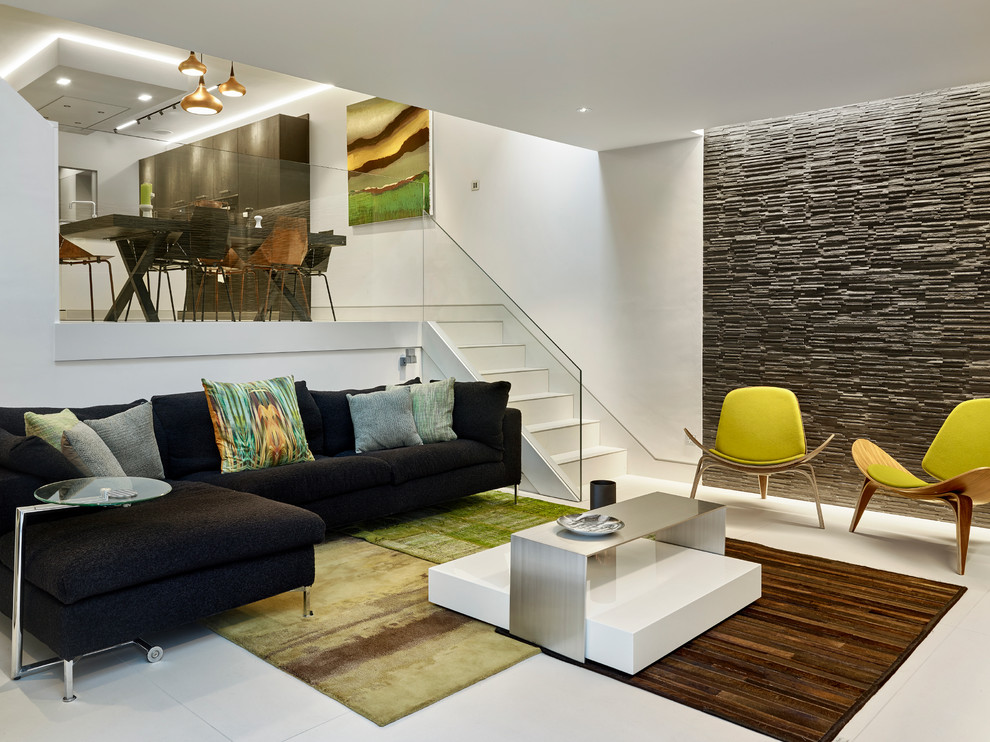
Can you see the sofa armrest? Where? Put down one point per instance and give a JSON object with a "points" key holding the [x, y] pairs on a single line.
{"points": [[16, 490], [512, 443]]}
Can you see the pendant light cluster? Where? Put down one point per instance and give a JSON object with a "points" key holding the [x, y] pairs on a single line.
{"points": [[201, 101]]}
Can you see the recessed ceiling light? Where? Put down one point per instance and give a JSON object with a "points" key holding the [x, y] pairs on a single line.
{"points": [[63, 81], [583, 109], [144, 97], [163, 132]]}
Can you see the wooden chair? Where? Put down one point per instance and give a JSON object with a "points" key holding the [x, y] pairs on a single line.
{"points": [[281, 254], [760, 432], [69, 253], [959, 458]]}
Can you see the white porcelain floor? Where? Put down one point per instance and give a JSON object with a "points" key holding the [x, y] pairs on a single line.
{"points": [[207, 689]]}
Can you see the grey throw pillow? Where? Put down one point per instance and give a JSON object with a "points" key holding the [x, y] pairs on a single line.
{"points": [[82, 446], [383, 420], [130, 436], [433, 410]]}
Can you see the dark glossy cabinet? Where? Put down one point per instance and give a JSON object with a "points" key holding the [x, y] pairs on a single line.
{"points": [[262, 164]]}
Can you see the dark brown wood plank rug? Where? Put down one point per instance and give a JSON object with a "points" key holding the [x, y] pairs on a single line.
{"points": [[803, 659]]}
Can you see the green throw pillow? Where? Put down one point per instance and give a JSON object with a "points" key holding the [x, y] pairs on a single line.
{"points": [[433, 410], [257, 423], [49, 427]]}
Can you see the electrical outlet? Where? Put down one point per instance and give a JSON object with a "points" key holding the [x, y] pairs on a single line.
{"points": [[475, 185]]}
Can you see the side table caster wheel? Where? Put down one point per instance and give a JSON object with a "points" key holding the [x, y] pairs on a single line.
{"points": [[155, 654]]}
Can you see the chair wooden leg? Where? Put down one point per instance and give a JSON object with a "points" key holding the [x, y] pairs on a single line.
{"points": [[809, 471], [865, 495], [963, 508], [697, 476], [302, 285], [764, 484]]}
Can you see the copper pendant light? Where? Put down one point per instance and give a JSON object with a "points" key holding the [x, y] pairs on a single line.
{"points": [[232, 88], [192, 66], [201, 102]]}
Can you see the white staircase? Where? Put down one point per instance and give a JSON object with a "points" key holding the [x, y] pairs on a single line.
{"points": [[548, 415]]}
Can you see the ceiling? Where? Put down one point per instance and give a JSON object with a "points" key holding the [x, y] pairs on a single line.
{"points": [[109, 81], [649, 70]]}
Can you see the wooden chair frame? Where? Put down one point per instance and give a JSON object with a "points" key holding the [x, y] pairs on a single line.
{"points": [[960, 493], [710, 458]]}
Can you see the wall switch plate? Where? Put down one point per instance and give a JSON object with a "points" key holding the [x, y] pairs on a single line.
{"points": [[475, 185]]}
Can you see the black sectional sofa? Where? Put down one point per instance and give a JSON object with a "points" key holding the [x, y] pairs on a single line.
{"points": [[94, 578]]}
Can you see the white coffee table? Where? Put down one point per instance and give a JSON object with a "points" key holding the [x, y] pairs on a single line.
{"points": [[618, 599]]}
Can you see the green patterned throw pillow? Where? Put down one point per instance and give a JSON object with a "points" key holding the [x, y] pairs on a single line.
{"points": [[257, 423], [49, 427], [433, 410]]}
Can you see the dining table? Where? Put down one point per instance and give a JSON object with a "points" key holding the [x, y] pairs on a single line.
{"points": [[140, 240]]}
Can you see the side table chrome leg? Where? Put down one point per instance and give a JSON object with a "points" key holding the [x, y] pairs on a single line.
{"points": [[67, 666], [16, 630], [307, 612]]}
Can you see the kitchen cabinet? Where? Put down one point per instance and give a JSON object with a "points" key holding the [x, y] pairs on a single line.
{"points": [[262, 164]]}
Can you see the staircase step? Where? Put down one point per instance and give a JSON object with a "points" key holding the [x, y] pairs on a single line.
{"points": [[560, 436], [600, 462], [465, 333], [495, 355], [542, 407], [523, 380]]}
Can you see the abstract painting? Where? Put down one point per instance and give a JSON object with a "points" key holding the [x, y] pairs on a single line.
{"points": [[388, 161]]}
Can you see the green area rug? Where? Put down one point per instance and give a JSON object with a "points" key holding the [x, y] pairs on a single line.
{"points": [[376, 643], [455, 529]]}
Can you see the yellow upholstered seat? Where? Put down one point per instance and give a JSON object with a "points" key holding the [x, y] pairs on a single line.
{"points": [[760, 432], [959, 458]]}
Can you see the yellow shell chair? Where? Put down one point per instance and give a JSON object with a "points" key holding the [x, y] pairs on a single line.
{"points": [[959, 457], [760, 432]]}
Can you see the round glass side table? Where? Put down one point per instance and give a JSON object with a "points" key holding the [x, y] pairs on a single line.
{"points": [[102, 491], [86, 491]]}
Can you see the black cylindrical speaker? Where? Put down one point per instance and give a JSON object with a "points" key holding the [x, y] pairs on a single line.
{"points": [[602, 493]]}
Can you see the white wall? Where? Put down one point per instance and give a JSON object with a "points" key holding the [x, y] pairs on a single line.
{"points": [[603, 250], [115, 159]]}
